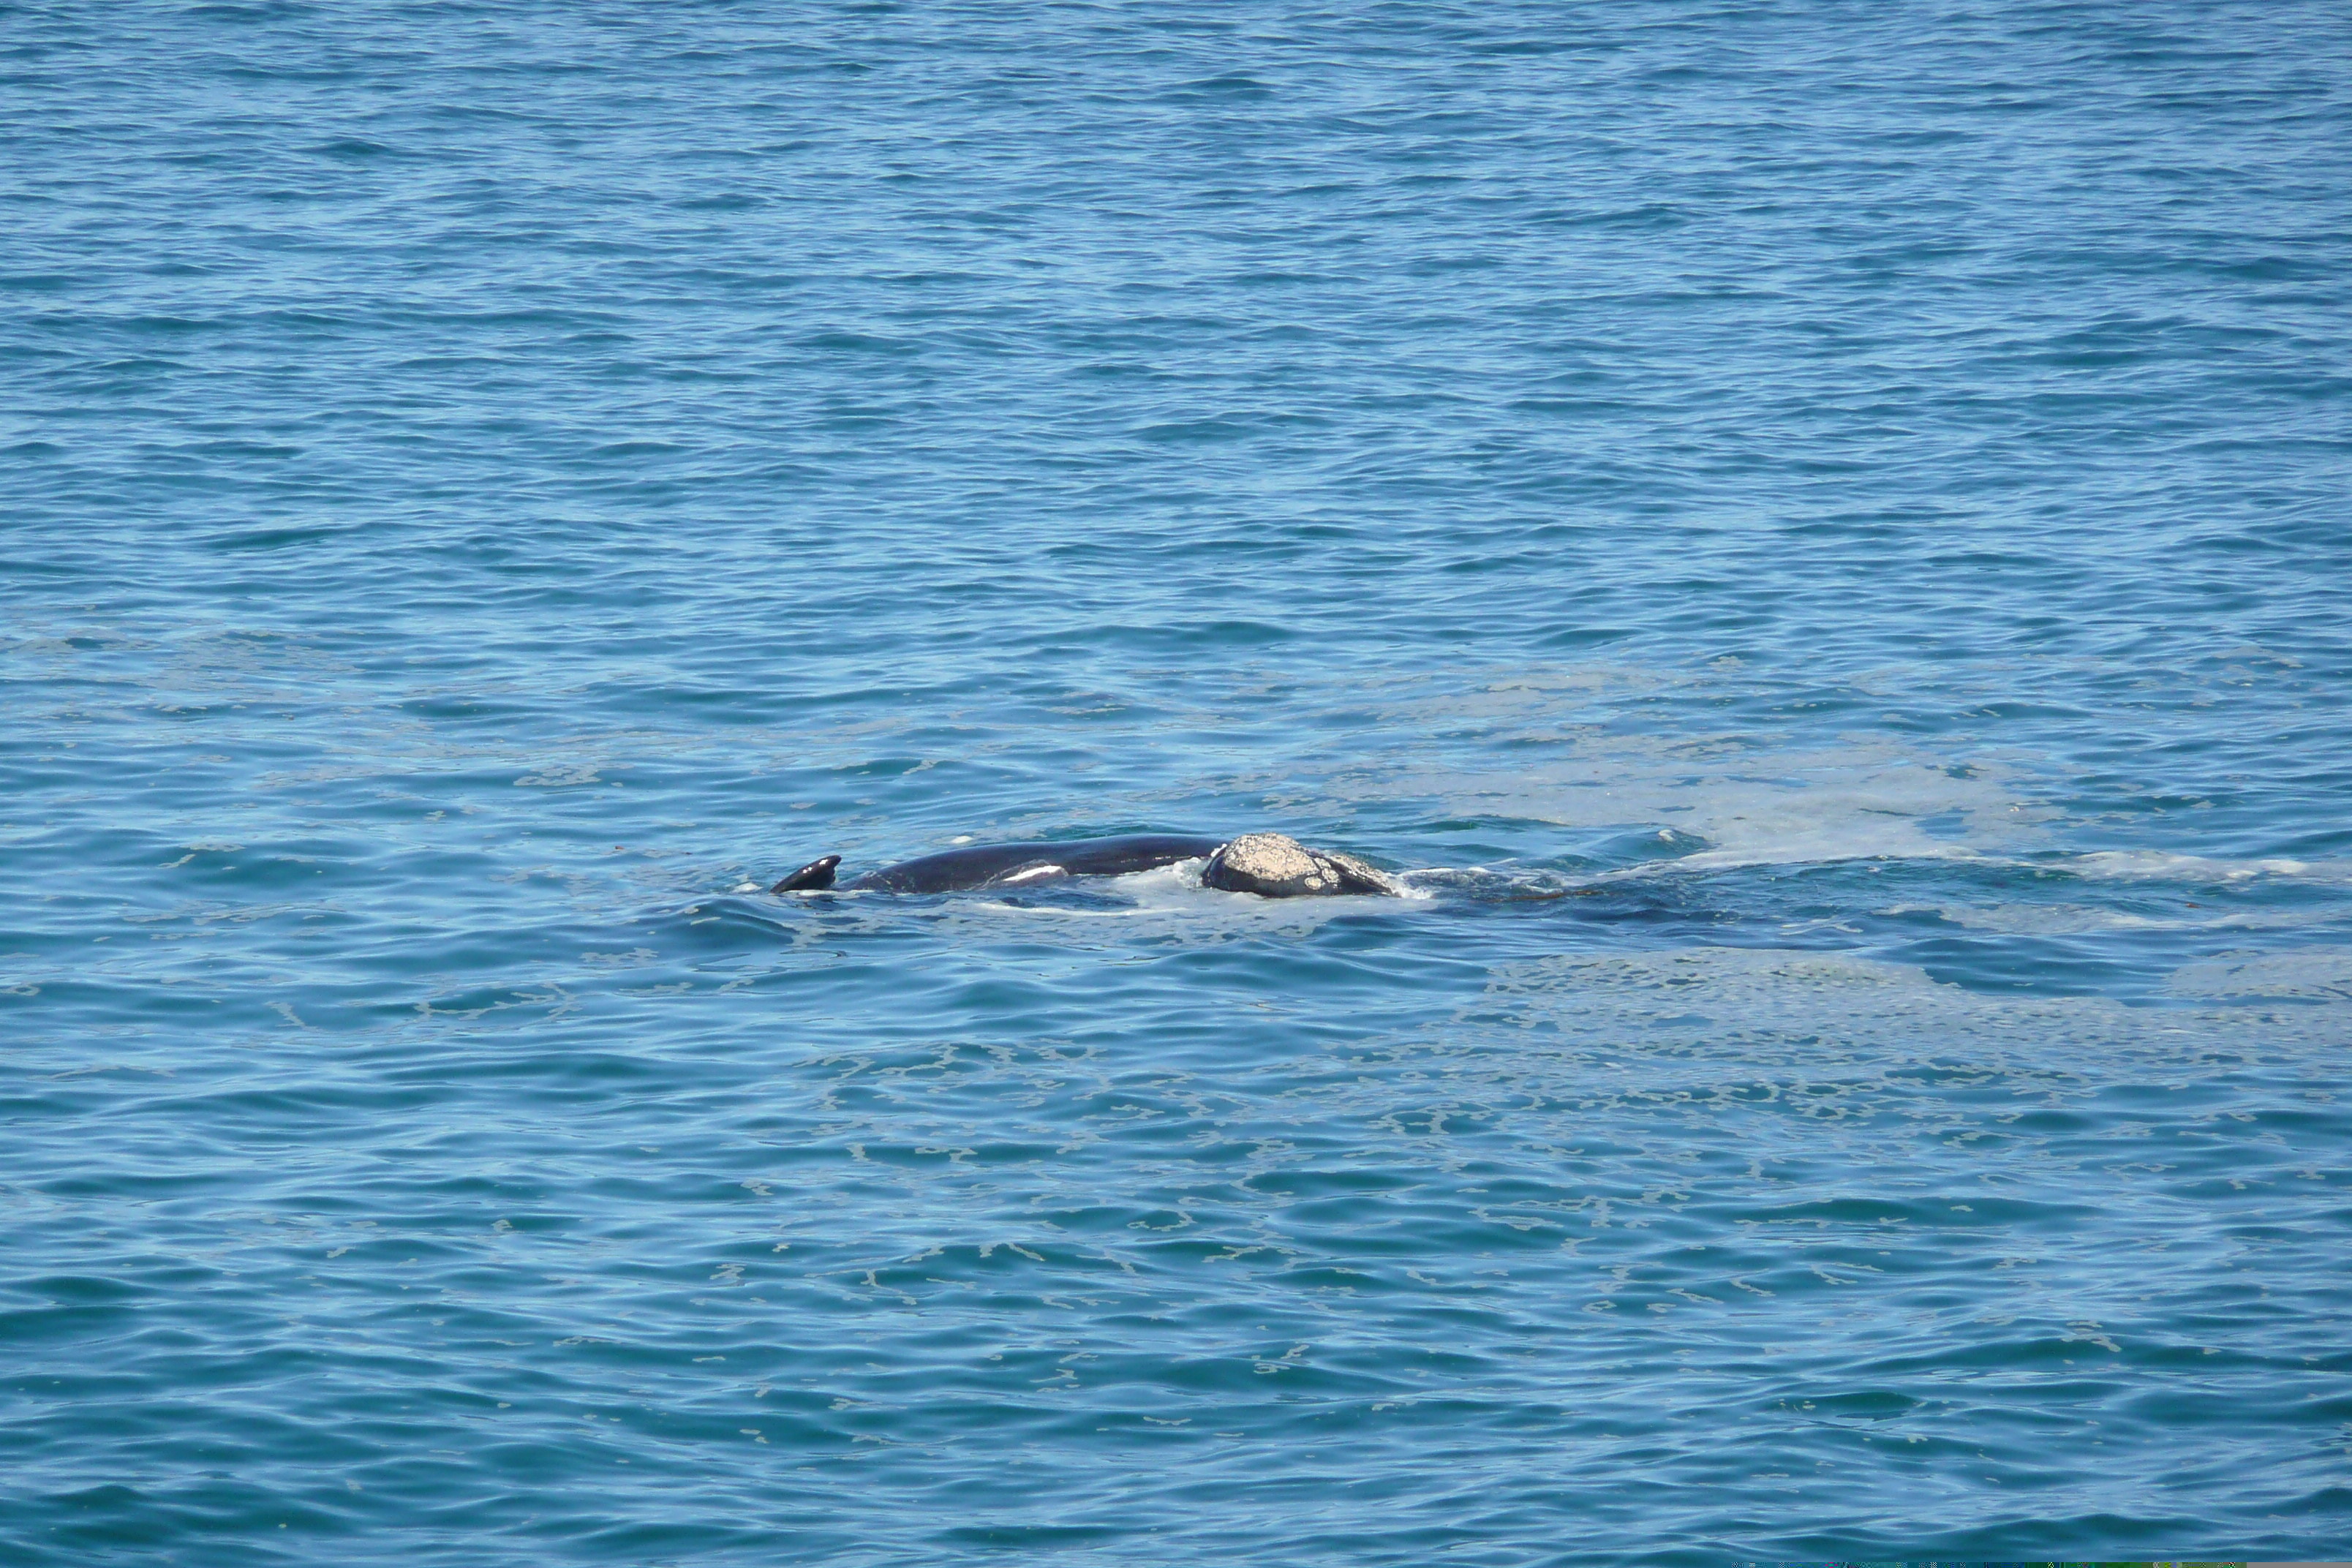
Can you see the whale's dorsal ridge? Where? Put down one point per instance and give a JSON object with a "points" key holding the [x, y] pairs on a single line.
{"points": [[1004, 865]]}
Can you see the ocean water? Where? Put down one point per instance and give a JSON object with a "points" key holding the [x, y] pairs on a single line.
{"points": [[1814, 535]]}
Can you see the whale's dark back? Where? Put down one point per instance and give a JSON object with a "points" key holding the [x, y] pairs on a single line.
{"points": [[983, 864]]}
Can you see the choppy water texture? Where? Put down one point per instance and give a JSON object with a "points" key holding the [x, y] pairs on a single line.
{"points": [[1820, 532]]}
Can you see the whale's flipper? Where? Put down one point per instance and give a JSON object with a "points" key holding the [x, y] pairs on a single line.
{"points": [[814, 877]]}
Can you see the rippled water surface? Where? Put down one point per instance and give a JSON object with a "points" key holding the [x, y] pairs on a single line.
{"points": [[1815, 535]]}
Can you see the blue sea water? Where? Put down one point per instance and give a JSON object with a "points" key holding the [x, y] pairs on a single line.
{"points": [[1816, 534]]}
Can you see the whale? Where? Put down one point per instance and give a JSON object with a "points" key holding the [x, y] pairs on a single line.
{"points": [[1010, 865], [1270, 865]]}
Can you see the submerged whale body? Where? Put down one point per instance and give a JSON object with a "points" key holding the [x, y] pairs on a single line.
{"points": [[1265, 863]]}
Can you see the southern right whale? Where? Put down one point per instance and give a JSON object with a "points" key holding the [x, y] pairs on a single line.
{"points": [[1265, 863]]}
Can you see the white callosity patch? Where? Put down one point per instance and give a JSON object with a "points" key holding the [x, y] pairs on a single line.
{"points": [[1277, 866], [1272, 859]]}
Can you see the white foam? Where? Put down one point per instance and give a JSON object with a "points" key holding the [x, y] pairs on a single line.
{"points": [[1836, 802], [1801, 852], [2151, 865], [2160, 863]]}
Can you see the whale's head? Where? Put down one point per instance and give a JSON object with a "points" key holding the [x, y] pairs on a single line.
{"points": [[1275, 867]]}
